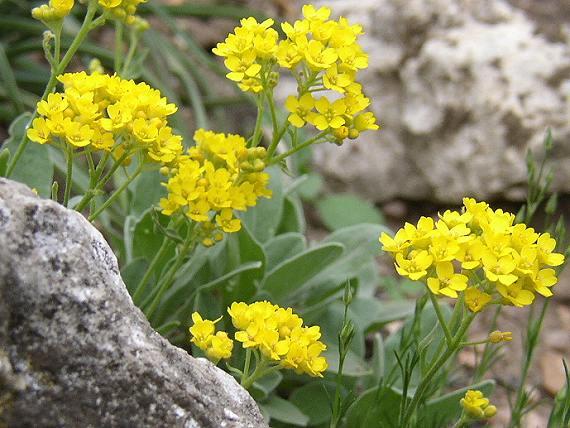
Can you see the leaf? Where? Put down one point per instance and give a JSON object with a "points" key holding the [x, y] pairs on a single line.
{"points": [[314, 400], [133, 272], [285, 411], [377, 407], [146, 241], [35, 167], [263, 219], [293, 219], [372, 314], [338, 211], [249, 250], [261, 388], [361, 246], [292, 274], [146, 192], [310, 188], [283, 247], [445, 409]]}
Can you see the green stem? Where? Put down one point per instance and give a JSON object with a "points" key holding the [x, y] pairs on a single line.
{"points": [[441, 320], [533, 331], [294, 150], [117, 192], [256, 138], [482, 366], [118, 45], [68, 174], [260, 370], [133, 43], [187, 247], [436, 366], [140, 286], [246, 364], [83, 31], [94, 189]]}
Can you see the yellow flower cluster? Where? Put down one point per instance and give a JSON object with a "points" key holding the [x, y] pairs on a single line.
{"points": [[476, 406], [217, 176], [478, 251], [321, 53], [103, 112], [53, 11], [277, 333], [124, 10], [280, 336], [216, 345]]}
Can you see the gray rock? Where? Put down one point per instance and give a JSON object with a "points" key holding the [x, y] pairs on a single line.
{"points": [[75, 351], [462, 90]]}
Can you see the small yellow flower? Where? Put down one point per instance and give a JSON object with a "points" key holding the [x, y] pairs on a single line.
{"points": [[447, 281], [220, 347], [476, 406], [476, 299], [301, 109], [415, 267], [330, 115], [202, 331]]}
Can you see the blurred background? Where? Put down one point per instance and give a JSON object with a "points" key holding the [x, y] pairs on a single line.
{"points": [[463, 90]]}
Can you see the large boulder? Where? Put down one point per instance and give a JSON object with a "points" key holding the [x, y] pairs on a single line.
{"points": [[75, 351], [462, 90]]}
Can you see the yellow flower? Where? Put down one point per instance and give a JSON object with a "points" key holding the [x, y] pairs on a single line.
{"points": [[301, 109], [318, 56], [77, 135], [476, 299], [227, 221], [476, 405], [220, 347], [109, 4], [288, 54], [315, 15], [394, 245], [447, 282], [39, 132], [242, 66], [499, 269], [416, 266], [61, 7], [516, 294], [202, 331], [330, 115], [546, 246]]}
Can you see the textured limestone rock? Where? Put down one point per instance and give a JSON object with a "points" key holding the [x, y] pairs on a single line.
{"points": [[462, 89], [74, 351]]}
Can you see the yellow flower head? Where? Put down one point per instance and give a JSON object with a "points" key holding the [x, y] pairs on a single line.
{"points": [[476, 406], [500, 336]]}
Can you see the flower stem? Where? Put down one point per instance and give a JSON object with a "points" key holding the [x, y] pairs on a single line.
{"points": [[117, 192], [56, 71], [68, 174], [299, 147], [187, 247], [441, 319], [140, 286], [436, 366]]}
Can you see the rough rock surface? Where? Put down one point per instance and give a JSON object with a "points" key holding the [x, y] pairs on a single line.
{"points": [[74, 351], [462, 89]]}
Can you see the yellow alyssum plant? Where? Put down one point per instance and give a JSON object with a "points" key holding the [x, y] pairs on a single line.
{"points": [[276, 336], [479, 253]]}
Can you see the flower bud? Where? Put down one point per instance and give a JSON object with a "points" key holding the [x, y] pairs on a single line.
{"points": [[500, 336], [490, 411], [353, 134]]}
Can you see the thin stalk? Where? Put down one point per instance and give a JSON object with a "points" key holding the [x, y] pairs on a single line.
{"points": [[187, 247], [299, 147], [479, 371], [140, 286], [133, 44], [532, 336], [441, 320], [68, 174], [117, 192], [256, 137], [436, 366], [118, 45], [83, 31]]}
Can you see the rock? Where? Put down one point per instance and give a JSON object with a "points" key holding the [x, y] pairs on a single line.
{"points": [[462, 90], [553, 377], [75, 351]]}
